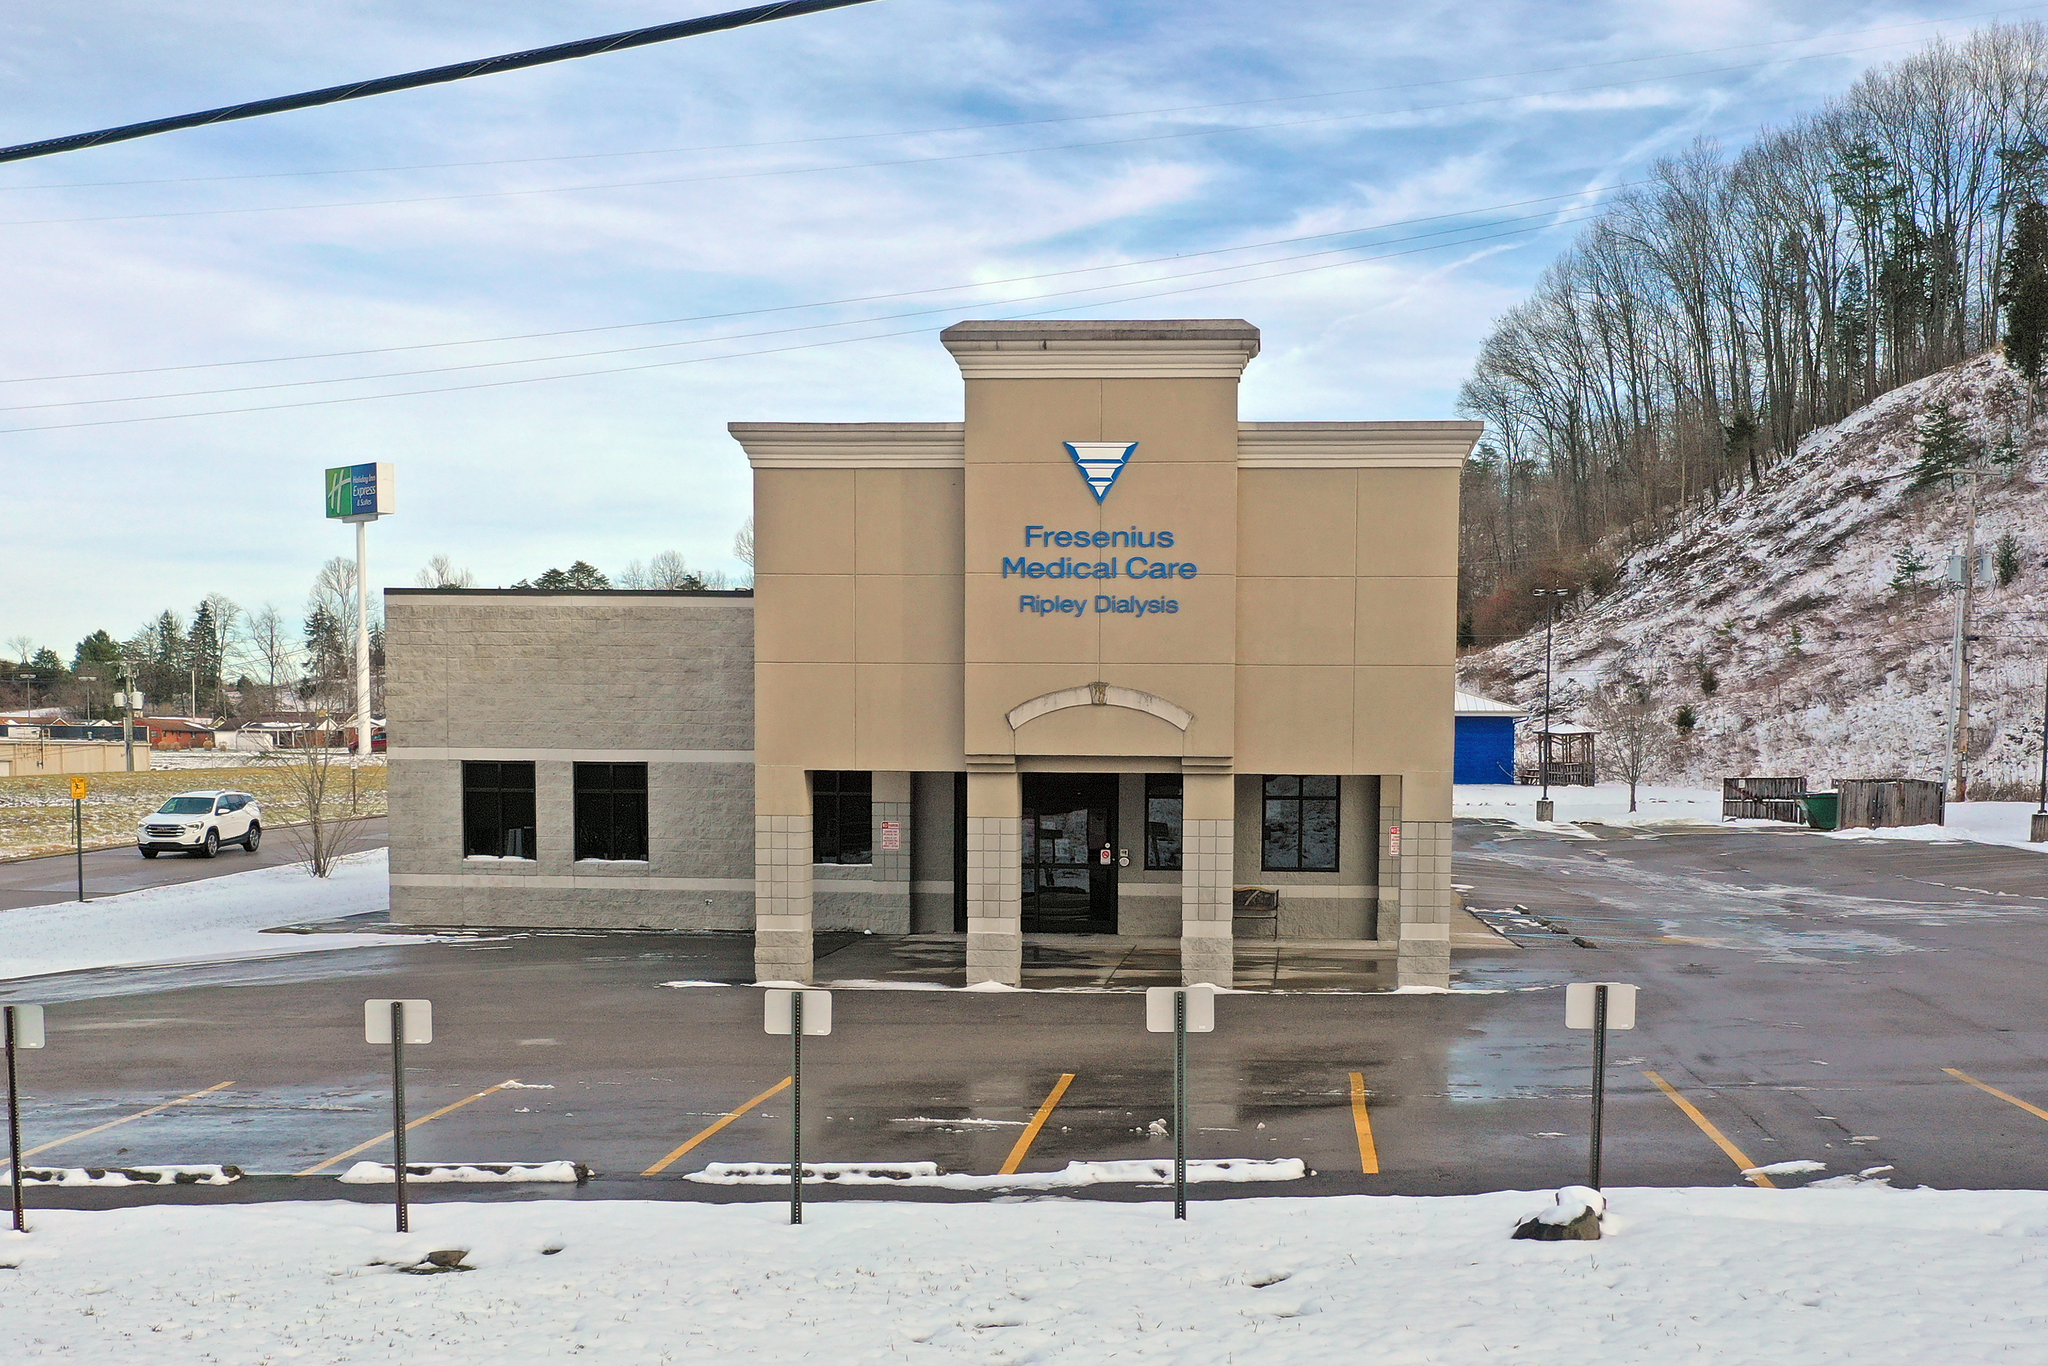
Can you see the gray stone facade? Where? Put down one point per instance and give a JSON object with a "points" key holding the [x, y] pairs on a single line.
{"points": [[664, 679]]}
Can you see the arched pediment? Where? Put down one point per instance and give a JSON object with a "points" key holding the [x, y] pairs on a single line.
{"points": [[1099, 695]]}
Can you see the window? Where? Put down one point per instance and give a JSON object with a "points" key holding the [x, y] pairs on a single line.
{"points": [[611, 811], [842, 806], [497, 810], [1162, 822], [1300, 825]]}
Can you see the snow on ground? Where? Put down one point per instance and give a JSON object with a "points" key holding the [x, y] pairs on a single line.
{"points": [[2007, 823], [200, 922], [1864, 1274], [1606, 804], [1141, 1171]]}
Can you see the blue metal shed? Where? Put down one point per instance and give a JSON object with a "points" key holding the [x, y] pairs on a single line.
{"points": [[1485, 751]]}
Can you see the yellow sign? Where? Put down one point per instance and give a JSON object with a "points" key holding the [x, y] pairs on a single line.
{"points": [[78, 789]]}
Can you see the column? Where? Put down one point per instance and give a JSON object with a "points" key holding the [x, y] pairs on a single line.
{"points": [[782, 875], [1424, 871], [1208, 859], [995, 877]]}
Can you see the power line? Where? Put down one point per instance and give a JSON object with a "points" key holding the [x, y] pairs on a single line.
{"points": [[1177, 135], [772, 332], [1024, 123], [764, 351], [828, 303], [439, 75]]}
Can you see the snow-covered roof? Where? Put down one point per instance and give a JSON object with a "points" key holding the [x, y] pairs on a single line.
{"points": [[1569, 728], [1472, 704]]}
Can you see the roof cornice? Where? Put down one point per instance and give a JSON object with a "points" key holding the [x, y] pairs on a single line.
{"points": [[852, 445], [1355, 445]]}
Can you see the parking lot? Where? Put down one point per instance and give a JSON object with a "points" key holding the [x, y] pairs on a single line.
{"points": [[1856, 1004]]}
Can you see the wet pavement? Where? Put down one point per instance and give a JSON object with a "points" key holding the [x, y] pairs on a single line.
{"points": [[1803, 995]]}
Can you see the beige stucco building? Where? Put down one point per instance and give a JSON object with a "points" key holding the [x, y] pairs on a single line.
{"points": [[1099, 658]]}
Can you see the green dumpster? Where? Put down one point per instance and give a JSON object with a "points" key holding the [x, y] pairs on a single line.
{"points": [[1823, 810]]}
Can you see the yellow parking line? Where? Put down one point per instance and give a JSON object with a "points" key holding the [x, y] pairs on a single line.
{"points": [[714, 1127], [2006, 1096], [1692, 1112], [1368, 1151], [410, 1125], [125, 1119], [1030, 1134]]}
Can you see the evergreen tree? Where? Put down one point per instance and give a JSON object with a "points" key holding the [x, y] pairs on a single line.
{"points": [[2023, 292], [47, 666], [1944, 448], [2006, 559], [326, 652], [580, 575], [1907, 567], [203, 650], [96, 654]]}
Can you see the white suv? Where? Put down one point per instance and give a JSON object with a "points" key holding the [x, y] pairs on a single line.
{"points": [[200, 823]]}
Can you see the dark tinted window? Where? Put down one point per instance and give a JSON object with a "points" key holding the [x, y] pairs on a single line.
{"points": [[1162, 822], [497, 810], [1300, 825], [611, 811], [842, 810]]}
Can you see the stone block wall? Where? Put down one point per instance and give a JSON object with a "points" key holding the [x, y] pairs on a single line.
{"points": [[664, 679]]}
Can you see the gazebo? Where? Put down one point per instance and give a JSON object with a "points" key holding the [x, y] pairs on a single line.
{"points": [[1567, 750]]}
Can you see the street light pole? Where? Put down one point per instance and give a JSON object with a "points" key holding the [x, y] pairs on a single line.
{"points": [[88, 680]]}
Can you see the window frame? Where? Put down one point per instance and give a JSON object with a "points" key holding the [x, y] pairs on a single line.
{"points": [[496, 789], [843, 817], [1156, 785], [1297, 803], [606, 807]]}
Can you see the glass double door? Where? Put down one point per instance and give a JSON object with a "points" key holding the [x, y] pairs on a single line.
{"points": [[1070, 853]]}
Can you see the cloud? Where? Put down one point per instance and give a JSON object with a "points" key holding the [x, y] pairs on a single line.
{"points": [[508, 480]]}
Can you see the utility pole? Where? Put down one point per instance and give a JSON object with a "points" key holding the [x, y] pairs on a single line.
{"points": [[1959, 672], [1544, 809], [128, 711]]}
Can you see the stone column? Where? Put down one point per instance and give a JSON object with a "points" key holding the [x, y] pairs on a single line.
{"points": [[1208, 857], [995, 877], [1425, 881], [782, 875]]}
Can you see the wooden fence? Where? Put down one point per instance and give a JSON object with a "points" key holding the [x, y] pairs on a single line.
{"points": [[1872, 803], [1763, 799]]}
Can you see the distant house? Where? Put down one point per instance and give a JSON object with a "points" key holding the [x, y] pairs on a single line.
{"points": [[1485, 747], [175, 732]]}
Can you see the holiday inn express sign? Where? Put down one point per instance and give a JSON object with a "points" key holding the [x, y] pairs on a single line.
{"points": [[360, 493]]}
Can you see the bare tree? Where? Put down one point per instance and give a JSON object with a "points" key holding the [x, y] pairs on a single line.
{"points": [[21, 647], [322, 784], [441, 573], [743, 543], [1632, 733]]}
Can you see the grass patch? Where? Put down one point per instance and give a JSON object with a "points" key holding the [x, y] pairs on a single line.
{"points": [[35, 811]]}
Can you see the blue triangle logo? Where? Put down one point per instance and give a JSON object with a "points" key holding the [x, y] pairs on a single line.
{"points": [[1101, 462]]}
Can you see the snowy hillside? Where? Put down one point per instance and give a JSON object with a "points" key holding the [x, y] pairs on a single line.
{"points": [[1772, 617]]}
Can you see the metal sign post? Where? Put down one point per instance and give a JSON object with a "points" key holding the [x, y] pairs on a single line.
{"points": [[78, 790], [784, 1013], [398, 1023], [23, 1028], [1599, 1006], [1180, 1011]]}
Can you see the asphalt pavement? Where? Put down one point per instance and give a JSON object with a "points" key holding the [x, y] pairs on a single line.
{"points": [[1858, 1004], [45, 881]]}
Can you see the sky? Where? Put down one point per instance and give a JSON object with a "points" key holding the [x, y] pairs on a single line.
{"points": [[542, 295]]}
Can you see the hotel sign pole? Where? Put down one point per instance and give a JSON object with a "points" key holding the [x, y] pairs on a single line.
{"points": [[361, 494]]}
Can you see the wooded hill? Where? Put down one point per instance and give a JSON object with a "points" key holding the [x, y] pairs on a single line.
{"points": [[1800, 625], [1671, 361]]}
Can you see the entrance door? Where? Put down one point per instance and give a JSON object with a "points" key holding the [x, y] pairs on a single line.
{"points": [[1069, 853]]}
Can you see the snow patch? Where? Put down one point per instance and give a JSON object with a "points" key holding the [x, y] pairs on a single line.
{"points": [[1144, 1171]]}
